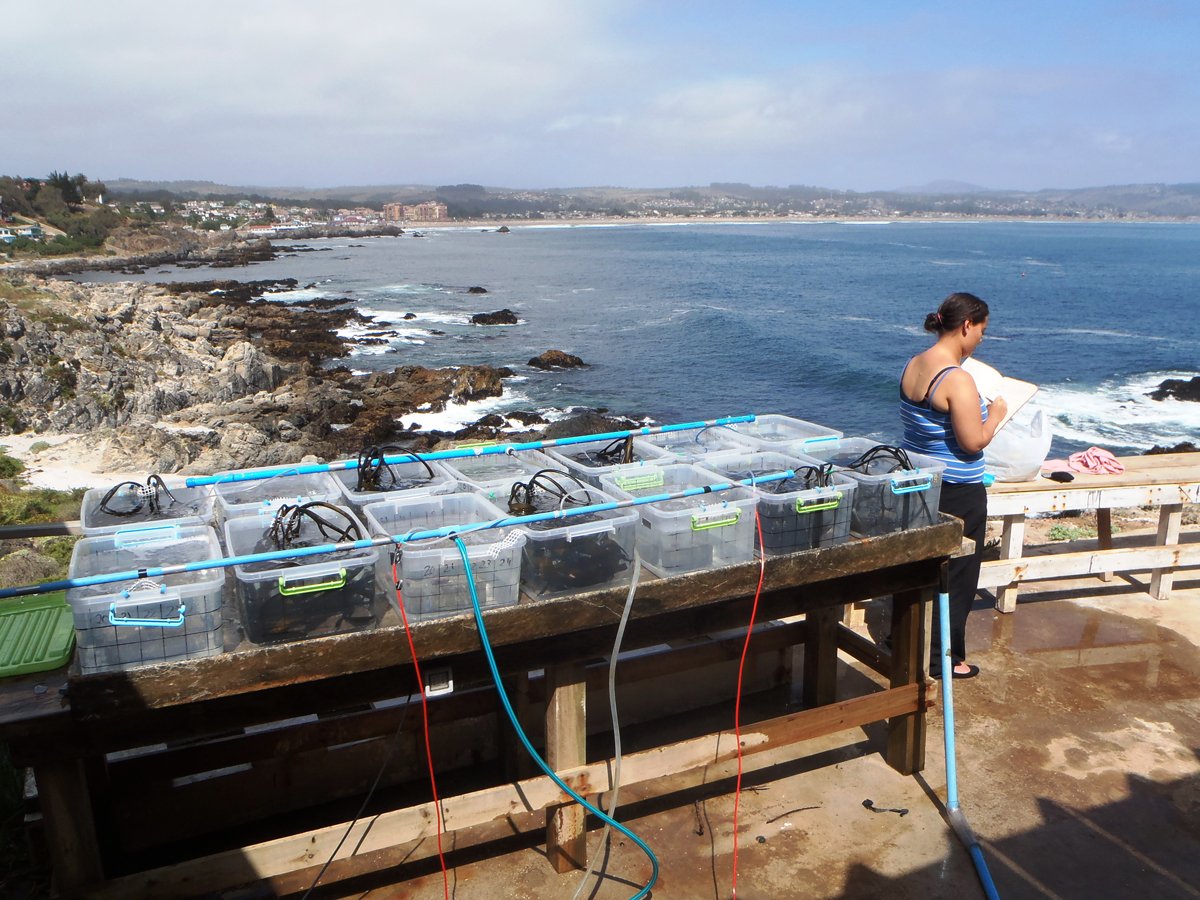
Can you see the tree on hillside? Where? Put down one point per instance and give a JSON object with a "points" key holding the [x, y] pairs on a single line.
{"points": [[67, 186], [51, 205]]}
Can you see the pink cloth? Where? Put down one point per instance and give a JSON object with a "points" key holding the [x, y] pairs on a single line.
{"points": [[1094, 460]]}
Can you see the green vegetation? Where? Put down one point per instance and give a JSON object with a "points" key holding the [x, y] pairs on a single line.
{"points": [[10, 467], [1071, 532], [62, 202], [30, 505]]}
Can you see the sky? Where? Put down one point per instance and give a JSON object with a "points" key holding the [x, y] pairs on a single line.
{"points": [[849, 94]]}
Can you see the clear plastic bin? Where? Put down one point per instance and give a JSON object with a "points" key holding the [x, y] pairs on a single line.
{"points": [[785, 434], [576, 553], [796, 513], [492, 468], [695, 444], [143, 621], [691, 533], [890, 497], [432, 579], [309, 596], [591, 459], [391, 481], [128, 506], [265, 495]]}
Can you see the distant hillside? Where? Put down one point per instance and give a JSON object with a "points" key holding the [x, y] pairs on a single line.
{"points": [[943, 186], [942, 197], [199, 190]]}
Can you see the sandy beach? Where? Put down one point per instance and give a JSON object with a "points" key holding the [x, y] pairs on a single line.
{"points": [[63, 465]]}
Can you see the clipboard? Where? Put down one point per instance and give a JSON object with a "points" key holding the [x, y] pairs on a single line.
{"points": [[991, 384]]}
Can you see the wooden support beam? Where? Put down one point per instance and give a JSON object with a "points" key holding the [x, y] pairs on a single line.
{"points": [[264, 861], [566, 748], [820, 657], [1104, 535], [69, 832], [1169, 519], [910, 653], [1012, 546], [864, 650], [1089, 562]]}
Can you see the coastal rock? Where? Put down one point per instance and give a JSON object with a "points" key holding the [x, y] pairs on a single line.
{"points": [[593, 421], [499, 317], [162, 381], [1184, 447], [1178, 389], [556, 359], [476, 289]]}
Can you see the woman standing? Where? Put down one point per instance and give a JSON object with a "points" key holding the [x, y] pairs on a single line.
{"points": [[944, 417]]}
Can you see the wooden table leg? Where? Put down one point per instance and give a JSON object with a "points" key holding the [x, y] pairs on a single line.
{"points": [[910, 648], [1170, 517], [1012, 546], [566, 737], [1104, 535], [70, 830], [820, 657]]}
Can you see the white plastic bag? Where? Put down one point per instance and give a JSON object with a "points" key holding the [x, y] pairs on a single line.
{"points": [[1018, 450]]}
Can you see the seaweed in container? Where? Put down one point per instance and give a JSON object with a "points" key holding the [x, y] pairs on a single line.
{"points": [[802, 524], [129, 503], [890, 504], [589, 555], [375, 473], [309, 596]]}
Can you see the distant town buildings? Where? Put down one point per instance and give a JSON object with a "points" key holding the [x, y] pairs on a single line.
{"points": [[429, 211]]}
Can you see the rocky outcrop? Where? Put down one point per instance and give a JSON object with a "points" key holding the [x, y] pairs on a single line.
{"points": [[499, 317], [476, 289], [1184, 447], [556, 359], [180, 380], [1178, 389]]}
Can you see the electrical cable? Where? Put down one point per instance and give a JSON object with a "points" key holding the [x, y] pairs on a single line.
{"points": [[737, 703], [367, 799], [412, 650], [372, 460], [616, 723], [541, 763], [140, 496]]}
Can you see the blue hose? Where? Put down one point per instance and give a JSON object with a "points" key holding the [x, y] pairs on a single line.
{"points": [[958, 820], [512, 717]]}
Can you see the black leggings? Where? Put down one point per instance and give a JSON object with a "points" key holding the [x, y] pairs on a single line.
{"points": [[969, 503]]}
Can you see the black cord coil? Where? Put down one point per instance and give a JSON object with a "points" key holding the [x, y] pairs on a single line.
{"points": [[140, 496], [373, 467]]}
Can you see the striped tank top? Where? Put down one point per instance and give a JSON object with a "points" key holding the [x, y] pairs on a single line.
{"points": [[928, 431]]}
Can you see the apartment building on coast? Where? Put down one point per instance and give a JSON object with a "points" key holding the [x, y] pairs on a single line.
{"points": [[428, 211]]}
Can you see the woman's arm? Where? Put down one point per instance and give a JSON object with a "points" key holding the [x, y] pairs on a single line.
{"points": [[962, 399]]}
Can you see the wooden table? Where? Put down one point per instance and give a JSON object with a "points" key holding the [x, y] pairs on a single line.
{"points": [[1165, 481], [208, 764]]}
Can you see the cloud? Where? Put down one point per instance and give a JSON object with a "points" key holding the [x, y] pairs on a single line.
{"points": [[542, 93]]}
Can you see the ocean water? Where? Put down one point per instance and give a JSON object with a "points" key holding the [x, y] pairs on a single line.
{"points": [[687, 322]]}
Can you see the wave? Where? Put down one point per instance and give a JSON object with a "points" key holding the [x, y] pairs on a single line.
{"points": [[297, 295], [457, 416], [1118, 413]]}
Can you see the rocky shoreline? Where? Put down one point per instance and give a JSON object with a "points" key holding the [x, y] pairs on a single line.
{"points": [[207, 376]]}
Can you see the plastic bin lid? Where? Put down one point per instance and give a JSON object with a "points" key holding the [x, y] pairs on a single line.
{"points": [[36, 634]]}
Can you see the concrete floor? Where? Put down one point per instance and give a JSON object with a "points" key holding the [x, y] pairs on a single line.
{"points": [[1078, 768]]}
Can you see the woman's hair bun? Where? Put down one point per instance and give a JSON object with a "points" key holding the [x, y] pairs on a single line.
{"points": [[933, 322]]}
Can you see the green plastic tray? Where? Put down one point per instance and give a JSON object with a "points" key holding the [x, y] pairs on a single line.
{"points": [[36, 634]]}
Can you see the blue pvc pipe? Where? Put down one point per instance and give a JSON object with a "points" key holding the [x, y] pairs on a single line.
{"points": [[367, 543], [957, 819], [459, 453]]}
